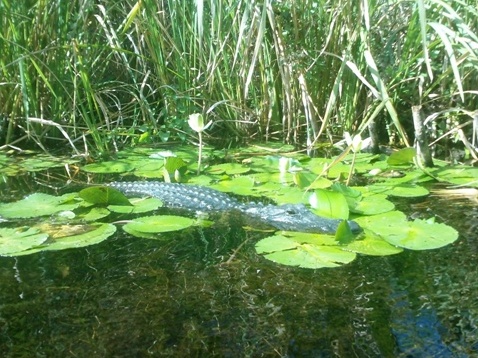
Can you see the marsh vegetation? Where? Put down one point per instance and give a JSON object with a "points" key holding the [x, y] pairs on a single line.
{"points": [[96, 76]]}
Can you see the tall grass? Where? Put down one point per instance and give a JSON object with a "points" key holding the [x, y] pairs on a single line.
{"points": [[97, 76]]}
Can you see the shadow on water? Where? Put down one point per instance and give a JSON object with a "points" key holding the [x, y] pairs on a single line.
{"points": [[182, 296]]}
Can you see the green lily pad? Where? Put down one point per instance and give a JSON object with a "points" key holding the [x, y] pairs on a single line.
{"points": [[320, 183], [19, 239], [266, 186], [95, 214], [174, 163], [344, 234], [352, 195], [109, 167], [91, 234], [287, 195], [424, 235], [140, 205], [104, 195], [386, 224], [330, 204], [373, 204], [402, 157], [142, 235], [228, 168], [242, 185], [275, 243], [406, 190], [310, 238], [373, 245], [149, 168], [159, 223], [42, 162], [278, 178], [394, 228], [38, 204], [288, 252], [459, 175]]}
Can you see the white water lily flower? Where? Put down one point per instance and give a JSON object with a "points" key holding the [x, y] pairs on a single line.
{"points": [[196, 122]]}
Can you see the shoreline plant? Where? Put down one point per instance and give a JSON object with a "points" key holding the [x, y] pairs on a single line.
{"points": [[98, 77]]}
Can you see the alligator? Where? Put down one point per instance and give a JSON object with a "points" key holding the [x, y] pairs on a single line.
{"points": [[288, 217]]}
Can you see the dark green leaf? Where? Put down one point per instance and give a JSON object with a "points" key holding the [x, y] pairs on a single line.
{"points": [[104, 195]]}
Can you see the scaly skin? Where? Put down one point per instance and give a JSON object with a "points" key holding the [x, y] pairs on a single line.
{"points": [[287, 217]]}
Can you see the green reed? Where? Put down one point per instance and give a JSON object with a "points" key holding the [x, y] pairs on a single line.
{"points": [[101, 76]]}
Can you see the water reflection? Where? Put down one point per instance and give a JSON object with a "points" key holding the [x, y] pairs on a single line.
{"points": [[178, 297]]}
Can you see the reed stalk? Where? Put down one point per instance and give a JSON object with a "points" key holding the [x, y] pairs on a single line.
{"points": [[302, 72]]}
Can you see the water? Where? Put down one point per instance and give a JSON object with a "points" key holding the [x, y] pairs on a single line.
{"points": [[187, 296]]}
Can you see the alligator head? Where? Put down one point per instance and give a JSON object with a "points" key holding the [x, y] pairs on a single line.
{"points": [[296, 217]]}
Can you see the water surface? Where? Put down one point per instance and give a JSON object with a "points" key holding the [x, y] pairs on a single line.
{"points": [[186, 296]]}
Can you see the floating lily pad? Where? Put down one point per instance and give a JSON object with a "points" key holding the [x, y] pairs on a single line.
{"points": [[104, 195], [424, 235], [109, 167], [460, 175], [159, 223], [278, 178], [266, 187], [42, 162], [289, 252], [142, 235], [330, 204], [385, 224], [228, 168], [260, 165], [373, 245], [95, 214], [201, 180], [406, 190], [140, 205], [303, 180], [242, 185], [373, 204], [174, 163], [320, 183], [352, 195], [344, 234], [287, 195], [149, 168], [402, 157], [19, 239], [414, 235], [85, 236], [38, 204], [310, 238]]}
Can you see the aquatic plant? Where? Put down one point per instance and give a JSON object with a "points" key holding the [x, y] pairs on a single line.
{"points": [[92, 214]]}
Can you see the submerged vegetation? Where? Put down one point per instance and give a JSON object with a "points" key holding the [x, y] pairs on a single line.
{"points": [[103, 78], [98, 76]]}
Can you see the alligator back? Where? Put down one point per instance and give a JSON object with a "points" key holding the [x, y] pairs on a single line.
{"points": [[174, 195], [198, 198]]}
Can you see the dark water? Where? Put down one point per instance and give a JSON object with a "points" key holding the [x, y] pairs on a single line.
{"points": [[180, 297]]}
